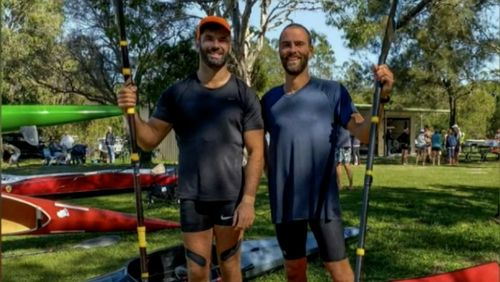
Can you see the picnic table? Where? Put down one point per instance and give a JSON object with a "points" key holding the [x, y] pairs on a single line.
{"points": [[481, 147]]}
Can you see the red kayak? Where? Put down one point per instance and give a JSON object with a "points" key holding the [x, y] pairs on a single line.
{"points": [[486, 272], [71, 183], [23, 215]]}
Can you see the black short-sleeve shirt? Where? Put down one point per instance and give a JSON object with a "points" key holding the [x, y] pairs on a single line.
{"points": [[209, 126]]}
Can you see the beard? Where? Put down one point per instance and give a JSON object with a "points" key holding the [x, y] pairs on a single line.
{"points": [[294, 68], [214, 63]]}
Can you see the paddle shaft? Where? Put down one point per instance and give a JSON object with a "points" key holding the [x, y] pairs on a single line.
{"points": [[134, 156], [498, 205], [360, 251]]}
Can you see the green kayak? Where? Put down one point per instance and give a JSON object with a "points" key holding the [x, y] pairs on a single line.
{"points": [[16, 116]]}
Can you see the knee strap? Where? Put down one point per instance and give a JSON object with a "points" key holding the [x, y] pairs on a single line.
{"points": [[225, 255], [199, 260]]}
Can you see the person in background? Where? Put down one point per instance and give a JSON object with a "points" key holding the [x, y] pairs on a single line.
{"points": [[451, 144], [460, 139], [428, 143], [15, 154], [421, 147], [215, 115], [47, 157], [355, 150], [109, 140], [302, 117], [436, 142], [389, 140], [67, 141], [404, 143], [66, 144], [343, 154], [56, 151]]}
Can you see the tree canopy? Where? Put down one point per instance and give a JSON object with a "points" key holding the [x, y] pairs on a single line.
{"points": [[67, 51], [442, 51]]}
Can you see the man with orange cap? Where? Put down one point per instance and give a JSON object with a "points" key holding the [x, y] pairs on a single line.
{"points": [[215, 115]]}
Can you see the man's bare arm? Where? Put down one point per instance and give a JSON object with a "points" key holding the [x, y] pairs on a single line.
{"points": [[245, 212], [148, 134], [255, 165], [359, 126]]}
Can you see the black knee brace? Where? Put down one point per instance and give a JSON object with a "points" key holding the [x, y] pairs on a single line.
{"points": [[199, 260], [225, 255]]}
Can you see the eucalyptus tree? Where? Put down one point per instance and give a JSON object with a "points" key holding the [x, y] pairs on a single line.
{"points": [[441, 46], [31, 32], [248, 39], [323, 59], [268, 71], [358, 79], [160, 48], [447, 54]]}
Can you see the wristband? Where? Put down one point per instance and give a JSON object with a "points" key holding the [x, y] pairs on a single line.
{"points": [[384, 100]]}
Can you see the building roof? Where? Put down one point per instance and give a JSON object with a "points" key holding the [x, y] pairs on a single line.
{"points": [[403, 109]]}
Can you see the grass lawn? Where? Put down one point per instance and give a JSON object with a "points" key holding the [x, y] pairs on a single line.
{"points": [[422, 220]]}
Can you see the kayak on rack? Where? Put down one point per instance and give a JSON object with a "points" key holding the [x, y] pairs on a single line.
{"points": [[22, 215], [79, 183], [16, 116]]}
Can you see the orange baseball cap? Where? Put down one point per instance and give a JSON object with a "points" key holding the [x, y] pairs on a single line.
{"points": [[212, 20]]}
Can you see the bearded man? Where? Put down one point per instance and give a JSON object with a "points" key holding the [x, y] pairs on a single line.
{"points": [[303, 117], [214, 115]]}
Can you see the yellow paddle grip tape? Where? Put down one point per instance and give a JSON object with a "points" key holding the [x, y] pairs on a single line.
{"points": [[123, 43], [126, 71], [360, 252], [374, 119], [134, 157], [369, 172], [141, 234], [131, 111], [144, 276]]}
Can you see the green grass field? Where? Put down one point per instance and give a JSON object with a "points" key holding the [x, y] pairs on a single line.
{"points": [[422, 220]]}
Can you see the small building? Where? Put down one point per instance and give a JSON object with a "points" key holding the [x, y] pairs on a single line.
{"points": [[397, 119], [394, 118]]}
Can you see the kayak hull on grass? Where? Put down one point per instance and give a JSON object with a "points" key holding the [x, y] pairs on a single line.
{"points": [[257, 258], [22, 215], [71, 183]]}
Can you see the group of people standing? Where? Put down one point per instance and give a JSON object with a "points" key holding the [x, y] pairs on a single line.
{"points": [[429, 145], [215, 116], [58, 152]]}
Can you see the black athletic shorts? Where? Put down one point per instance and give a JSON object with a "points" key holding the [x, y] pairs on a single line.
{"points": [[329, 235], [200, 216]]}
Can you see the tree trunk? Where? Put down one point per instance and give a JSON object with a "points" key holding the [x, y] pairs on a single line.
{"points": [[453, 109], [452, 100]]}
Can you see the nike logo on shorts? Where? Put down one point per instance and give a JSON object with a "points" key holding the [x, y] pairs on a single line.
{"points": [[225, 217]]}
